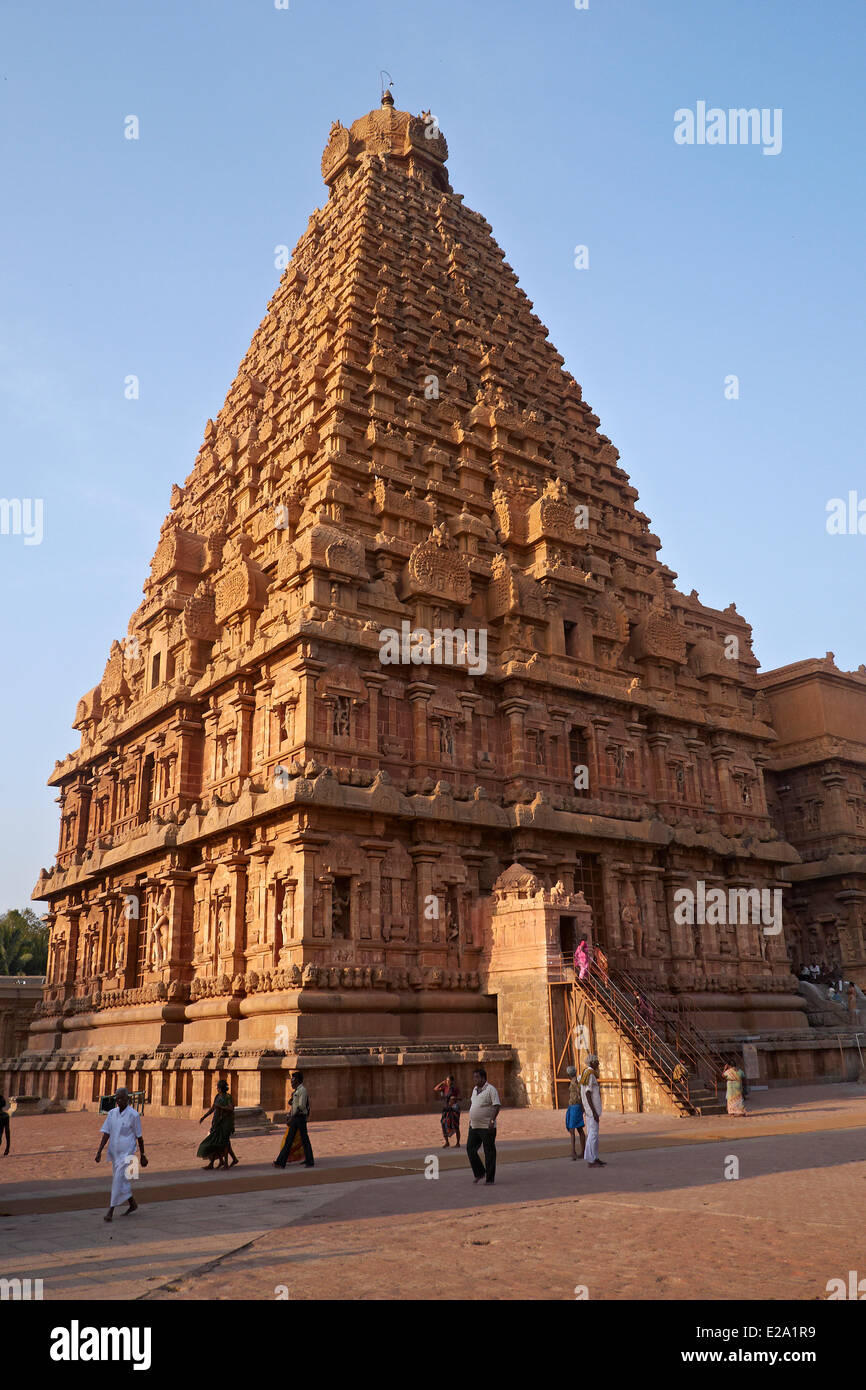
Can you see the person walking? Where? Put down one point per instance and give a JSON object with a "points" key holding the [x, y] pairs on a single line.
{"points": [[574, 1117], [121, 1132], [450, 1120], [5, 1126], [299, 1114], [735, 1078], [483, 1110], [218, 1143], [590, 1095]]}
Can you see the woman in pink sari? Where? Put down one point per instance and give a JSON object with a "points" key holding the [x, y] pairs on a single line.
{"points": [[582, 959]]}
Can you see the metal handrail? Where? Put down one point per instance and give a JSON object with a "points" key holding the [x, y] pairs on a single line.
{"points": [[688, 1039], [645, 1041]]}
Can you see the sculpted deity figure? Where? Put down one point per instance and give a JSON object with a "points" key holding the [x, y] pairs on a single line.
{"points": [[286, 916], [159, 930], [452, 919], [119, 938], [632, 927], [340, 914], [91, 953], [119, 949], [223, 923]]}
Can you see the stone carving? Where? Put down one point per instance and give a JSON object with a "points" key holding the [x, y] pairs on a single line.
{"points": [[159, 930]]}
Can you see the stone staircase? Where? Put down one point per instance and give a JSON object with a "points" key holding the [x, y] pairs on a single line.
{"points": [[681, 1060]]}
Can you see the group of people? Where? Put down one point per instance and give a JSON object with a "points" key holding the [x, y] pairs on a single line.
{"points": [[484, 1106], [586, 957], [583, 1115], [122, 1128], [838, 990], [216, 1147], [819, 974]]}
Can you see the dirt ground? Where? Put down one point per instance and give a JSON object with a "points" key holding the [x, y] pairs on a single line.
{"points": [[716, 1208]]}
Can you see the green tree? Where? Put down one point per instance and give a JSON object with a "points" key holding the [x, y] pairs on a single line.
{"points": [[23, 943]]}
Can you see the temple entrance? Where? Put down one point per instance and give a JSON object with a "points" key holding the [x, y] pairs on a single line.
{"points": [[567, 938]]}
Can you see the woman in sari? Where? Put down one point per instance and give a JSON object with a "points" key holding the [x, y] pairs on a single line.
{"points": [[735, 1077], [218, 1143], [450, 1120], [582, 959]]}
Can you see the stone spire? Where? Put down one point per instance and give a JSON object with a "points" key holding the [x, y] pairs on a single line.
{"points": [[291, 802]]}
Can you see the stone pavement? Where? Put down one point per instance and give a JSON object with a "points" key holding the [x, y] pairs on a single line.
{"points": [[662, 1220]]}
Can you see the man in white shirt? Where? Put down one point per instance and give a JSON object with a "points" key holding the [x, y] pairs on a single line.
{"points": [[483, 1109], [121, 1132], [590, 1094]]}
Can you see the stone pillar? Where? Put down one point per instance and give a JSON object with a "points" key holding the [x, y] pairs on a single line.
{"points": [[374, 681], [307, 672], [681, 932], [189, 734], [244, 705], [658, 744], [430, 930], [637, 732], [178, 950], [260, 853], [203, 947], [290, 921], [375, 851], [237, 866], [597, 753], [515, 709], [74, 917], [721, 755], [326, 882], [553, 615], [419, 693], [210, 721], [466, 760], [652, 928], [263, 691], [835, 814]]}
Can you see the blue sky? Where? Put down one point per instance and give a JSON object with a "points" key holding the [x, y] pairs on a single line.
{"points": [[155, 257]]}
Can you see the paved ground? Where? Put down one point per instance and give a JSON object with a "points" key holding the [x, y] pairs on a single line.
{"points": [[662, 1220]]}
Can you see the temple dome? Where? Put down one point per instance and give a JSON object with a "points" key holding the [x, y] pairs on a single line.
{"points": [[388, 133]]}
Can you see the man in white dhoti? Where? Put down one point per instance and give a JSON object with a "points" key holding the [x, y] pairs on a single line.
{"points": [[121, 1132], [590, 1094]]}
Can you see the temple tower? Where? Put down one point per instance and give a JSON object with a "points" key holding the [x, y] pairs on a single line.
{"points": [[405, 627]]}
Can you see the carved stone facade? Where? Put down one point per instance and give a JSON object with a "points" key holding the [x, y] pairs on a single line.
{"points": [[19, 997], [817, 781], [277, 845]]}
